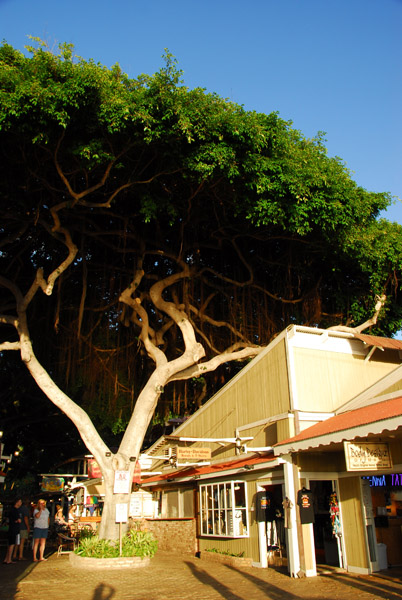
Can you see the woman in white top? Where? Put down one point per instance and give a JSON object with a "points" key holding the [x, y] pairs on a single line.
{"points": [[41, 526]]}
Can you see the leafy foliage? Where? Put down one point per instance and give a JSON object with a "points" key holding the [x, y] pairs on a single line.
{"points": [[147, 175], [134, 543]]}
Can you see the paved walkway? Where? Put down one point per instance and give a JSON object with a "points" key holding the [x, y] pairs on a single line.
{"points": [[184, 578]]}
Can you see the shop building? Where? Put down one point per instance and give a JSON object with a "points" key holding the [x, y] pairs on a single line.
{"points": [[261, 466]]}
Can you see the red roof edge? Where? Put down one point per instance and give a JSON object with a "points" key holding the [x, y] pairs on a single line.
{"points": [[213, 469]]}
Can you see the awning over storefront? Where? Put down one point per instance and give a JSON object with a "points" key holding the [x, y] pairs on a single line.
{"points": [[362, 422]]}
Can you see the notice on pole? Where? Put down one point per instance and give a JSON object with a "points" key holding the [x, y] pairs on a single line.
{"points": [[122, 482], [121, 513]]}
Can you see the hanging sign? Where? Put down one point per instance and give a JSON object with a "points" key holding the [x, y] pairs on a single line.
{"points": [[367, 456], [52, 484], [122, 482], [184, 453], [137, 473], [94, 471]]}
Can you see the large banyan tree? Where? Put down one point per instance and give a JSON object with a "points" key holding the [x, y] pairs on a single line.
{"points": [[151, 234]]}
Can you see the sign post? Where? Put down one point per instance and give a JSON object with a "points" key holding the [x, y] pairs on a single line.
{"points": [[121, 517]]}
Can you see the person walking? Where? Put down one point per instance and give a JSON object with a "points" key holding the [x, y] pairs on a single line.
{"points": [[14, 521], [41, 527], [25, 528]]}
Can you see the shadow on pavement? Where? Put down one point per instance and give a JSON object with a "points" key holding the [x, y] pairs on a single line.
{"points": [[11, 575], [103, 591], [273, 592], [373, 586], [207, 579]]}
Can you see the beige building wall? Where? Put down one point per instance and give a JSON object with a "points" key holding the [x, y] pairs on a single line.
{"points": [[259, 391], [327, 380]]}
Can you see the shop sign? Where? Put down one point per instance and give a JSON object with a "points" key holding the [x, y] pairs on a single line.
{"points": [[393, 480], [367, 456], [52, 484], [183, 453]]}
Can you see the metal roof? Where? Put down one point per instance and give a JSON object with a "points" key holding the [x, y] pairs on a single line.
{"points": [[368, 420]]}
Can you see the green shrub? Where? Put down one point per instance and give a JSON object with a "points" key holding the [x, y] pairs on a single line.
{"points": [[225, 552], [134, 543]]}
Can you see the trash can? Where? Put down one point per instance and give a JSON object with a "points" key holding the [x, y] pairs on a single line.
{"points": [[382, 556]]}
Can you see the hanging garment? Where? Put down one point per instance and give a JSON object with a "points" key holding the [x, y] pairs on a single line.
{"points": [[305, 504], [287, 505], [272, 535]]}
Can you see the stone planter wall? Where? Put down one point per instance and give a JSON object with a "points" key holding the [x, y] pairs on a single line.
{"points": [[174, 535], [233, 561], [122, 562]]}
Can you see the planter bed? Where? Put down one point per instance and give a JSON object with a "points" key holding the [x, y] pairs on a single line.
{"points": [[121, 562], [226, 559]]}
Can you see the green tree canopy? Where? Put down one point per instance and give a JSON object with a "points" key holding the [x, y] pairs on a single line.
{"points": [[109, 185]]}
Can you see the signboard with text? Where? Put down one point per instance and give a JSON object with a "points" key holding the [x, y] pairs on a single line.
{"points": [[367, 456], [122, 483], [193, 453]]}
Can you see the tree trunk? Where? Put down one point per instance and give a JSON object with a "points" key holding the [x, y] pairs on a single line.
{"points": [[109, 529]]}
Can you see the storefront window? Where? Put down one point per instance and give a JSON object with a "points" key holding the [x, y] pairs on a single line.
{"points": [[223, 509]]}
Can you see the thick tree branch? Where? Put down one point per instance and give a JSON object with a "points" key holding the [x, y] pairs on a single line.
{"points": [[127, 298], [212, 364], [369, 323]]}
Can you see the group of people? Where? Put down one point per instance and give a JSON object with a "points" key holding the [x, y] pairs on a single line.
{"points": [[19, 528]]}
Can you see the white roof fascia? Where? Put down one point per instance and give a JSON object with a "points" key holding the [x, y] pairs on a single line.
{"points": [[85, 484], [311, 338], [212, 440], [376, 428], [226, 473], [315, 416]]}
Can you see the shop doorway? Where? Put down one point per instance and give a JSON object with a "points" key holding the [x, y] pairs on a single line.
{"points": [[326, 527], [272, 533]]}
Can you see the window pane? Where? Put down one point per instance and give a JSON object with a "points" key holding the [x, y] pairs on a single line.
{"points": [[215, 497], [240, 494], [223, 509], [188, 503], [228, 496], [172, 504]]}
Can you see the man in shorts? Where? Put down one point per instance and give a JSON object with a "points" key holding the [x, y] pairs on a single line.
{"points": [[24, 529]]}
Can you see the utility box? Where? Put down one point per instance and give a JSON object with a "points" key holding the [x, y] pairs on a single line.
{"points": [[382, 556]]}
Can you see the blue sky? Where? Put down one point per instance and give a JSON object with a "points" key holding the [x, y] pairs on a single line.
{"points": [[329, 65]]}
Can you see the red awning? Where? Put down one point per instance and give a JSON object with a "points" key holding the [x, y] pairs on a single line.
{"points": [[372, 419], [379, 342]]}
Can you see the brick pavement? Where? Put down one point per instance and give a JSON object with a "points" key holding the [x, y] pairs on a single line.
{"points": [[183, 578]]}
